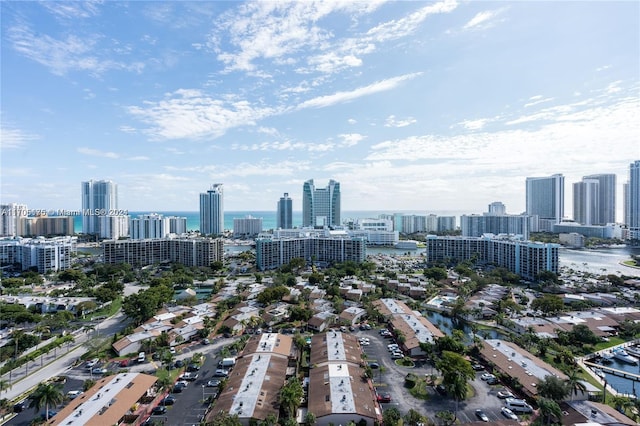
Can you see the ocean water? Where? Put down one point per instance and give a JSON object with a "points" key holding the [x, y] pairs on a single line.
{"points": [[269, 219]]}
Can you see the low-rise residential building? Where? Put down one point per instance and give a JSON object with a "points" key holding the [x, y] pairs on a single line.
{"points": [[339, 392], [412, 325], [513, 361], [253, 387], [352, 315], [321, 321], [110, 402], [45, 304]]}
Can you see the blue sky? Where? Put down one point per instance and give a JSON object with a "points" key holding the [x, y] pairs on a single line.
{"points": [[409, 105]]}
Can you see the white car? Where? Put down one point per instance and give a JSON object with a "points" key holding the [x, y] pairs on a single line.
{"points": [[396, 355], [393, 348], [365, 343], [487, 376], [74, 393], [509, 414]]}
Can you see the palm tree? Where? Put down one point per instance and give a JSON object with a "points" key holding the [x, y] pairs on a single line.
{"points": [[548, 409], [46, 395], [574, 383], [622, 403], [3, 385], [290, 396]]}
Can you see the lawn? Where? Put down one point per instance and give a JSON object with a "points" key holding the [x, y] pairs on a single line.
{"points": [[419, 390], [613, 341]]}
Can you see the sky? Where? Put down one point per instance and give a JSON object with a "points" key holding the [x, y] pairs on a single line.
{"points": [[410, 105]]}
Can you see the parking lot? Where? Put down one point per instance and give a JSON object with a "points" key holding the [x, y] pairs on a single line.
{"points": [[390, 378]]}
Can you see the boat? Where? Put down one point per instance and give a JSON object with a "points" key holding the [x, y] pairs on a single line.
{"points": [[622, 355], [606, 357], [599, 373], [634, 350]]}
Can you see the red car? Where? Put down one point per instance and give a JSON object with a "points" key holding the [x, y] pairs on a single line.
{"points": [[385, 397]]}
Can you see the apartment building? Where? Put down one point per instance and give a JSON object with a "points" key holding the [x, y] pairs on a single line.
{"points": [[199, 251]]}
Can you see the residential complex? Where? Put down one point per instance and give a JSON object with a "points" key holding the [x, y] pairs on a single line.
{"points": [[199, 251], [152, 226], [253, 387], [272, 253], [285, 212], [212, 211], [477, 225], [525, 258], [247, 227], [339, 393], [37, 226], [45, 254], [321, 206], [109, 401], [545, 200]]}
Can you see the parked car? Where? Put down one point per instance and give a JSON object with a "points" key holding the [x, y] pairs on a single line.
{"points": [[189, 376], [172, 350], [179, 363], [365, 342], [508, 413], [385, 397], [193, 367], [155, 356], [177, 388], [160, 409], [374, 365], [168, 400], [124, 363], [477, 367], [441, 390], [505, 394], [213, 383], [221, 373], [99, 370], [493, 381], [397, 355], [182, 383], [19, 407], [205, 341], [73, 394], [482, 416], [487, 376]]}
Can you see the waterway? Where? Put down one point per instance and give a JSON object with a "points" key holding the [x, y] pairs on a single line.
{"points": [[620, 384]]}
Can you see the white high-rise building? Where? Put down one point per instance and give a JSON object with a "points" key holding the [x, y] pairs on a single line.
{"points": [[212, 210], [606, 197], [10, 219], [149, 226], [497, 208], [99, 199], [247, 227], [586, 202], [545, 200], [632, 201], [285, 212], [321, 206]]}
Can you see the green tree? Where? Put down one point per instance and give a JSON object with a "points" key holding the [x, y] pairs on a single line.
{"points": [[548, 304], [88, 384], [435, 273], [222, 418], [552, 387], [391, 417], [309, 419], [574, 382], [549, 409], [291, 395], [413, 418], [46, 395], [456, 372]]}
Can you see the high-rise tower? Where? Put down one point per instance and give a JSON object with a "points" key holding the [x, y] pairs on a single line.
{"points": [[545, 199], [321, 206], [99, 200], [212, 211], [586, 201], [285, 212], [633, 200], [606, 211]]}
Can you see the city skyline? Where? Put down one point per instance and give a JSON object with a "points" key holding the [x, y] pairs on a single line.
{"points": [[412, 106]]}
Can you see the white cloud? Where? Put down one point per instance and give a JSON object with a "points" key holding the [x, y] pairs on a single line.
{"points": [[474, 124], [352, 121], [61, 56], [73, 10], [351, 139], [14, 138], [341, 97], [392, 122], [188, 113], [97, 153], [483, 20], [535, 100]]}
